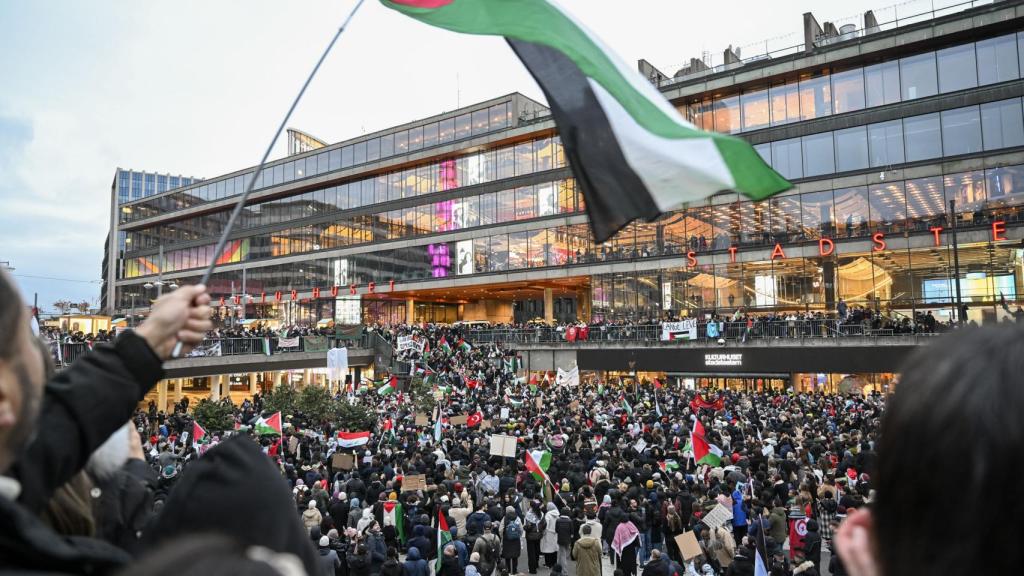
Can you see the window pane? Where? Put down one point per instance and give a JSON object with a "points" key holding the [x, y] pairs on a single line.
{"points": [[373, 150], [526, 203], [387, 146], [727, 115], [359, 153], [997, 59], [785, 103], [851, 149], [346, 156], [1002, 124], [416, 138], [402, 142], [333, 161], [430, 135], [786, 158], [500, 116], [961, 131], [817, 214], [917, 76], [957, 69], [480, 122], [446, 130], [755, 109], [1005, 185], [885, 143], [818, 154], [506, 206], [524, 158], [815, 98], [765, 150], [967, 188], [848, 91], [922, 137], [888, 207], [462, 126], [851, 211], [882, 83], [926, 204]]}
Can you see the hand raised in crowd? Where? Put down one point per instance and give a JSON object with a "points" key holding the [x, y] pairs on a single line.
{"points": [[182, 315]]}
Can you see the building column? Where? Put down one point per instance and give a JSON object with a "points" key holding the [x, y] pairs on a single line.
{"points": [[549, 306], [215, 388], [583, 305], [161, 395], [410, 311], [179, 384], [278, 377], [253, 386]]}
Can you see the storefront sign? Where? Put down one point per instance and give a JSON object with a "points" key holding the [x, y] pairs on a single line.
{"points": [[723, 359]]}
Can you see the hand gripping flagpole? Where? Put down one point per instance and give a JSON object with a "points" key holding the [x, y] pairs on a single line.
{"points": [[259, 169]]}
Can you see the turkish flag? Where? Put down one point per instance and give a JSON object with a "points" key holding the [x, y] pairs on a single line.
{"points": [[473, 420]]}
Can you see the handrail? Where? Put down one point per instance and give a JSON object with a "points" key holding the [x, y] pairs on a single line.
{"points": [[64, 353]]}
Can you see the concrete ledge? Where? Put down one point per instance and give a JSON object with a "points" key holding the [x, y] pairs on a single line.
{"points": [[211, 366]]}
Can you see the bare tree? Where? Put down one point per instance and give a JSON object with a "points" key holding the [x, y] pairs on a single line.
{"points": [[82, 307], [63, 306]]}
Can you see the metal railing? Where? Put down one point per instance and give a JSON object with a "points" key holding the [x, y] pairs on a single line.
{"points": [[64, 353], [889, 18], [651, 333]]}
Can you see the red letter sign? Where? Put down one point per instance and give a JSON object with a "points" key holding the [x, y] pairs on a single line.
{"points": [[277, 296], [334, 291], [936, 230], [998, 229], [822, 243], [373, 287], [778, 253], [879, 239], [732, 254], [392, 283], [691, 259], [316, 292], [351, 288]]}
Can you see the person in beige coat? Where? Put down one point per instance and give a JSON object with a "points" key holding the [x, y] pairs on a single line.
{"points": [[311, 516], [722, 545], [587, 553]]}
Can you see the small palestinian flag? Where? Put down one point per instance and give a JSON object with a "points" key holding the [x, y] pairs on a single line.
{"points": [[389, 387], [633, 155], [198, 435], [537, 463], [444, 536], [463, 345], [668, 465], [266, 346], [626, 406], [444, 346], [269, 426], [703, 451]]}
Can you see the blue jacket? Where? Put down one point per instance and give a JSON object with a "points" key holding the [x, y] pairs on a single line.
{"points": [[414, 565], [739, 515]]}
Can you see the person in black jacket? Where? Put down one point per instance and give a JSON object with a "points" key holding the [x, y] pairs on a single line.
{"points": [[47, 436], [812, 544], [450, 564]]}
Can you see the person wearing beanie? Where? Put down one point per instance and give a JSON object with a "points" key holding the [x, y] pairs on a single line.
{"points": [[329, 561], [355, 513], [311, 516]]}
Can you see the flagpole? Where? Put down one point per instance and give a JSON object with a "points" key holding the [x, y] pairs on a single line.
{"points": [[259, 168]]}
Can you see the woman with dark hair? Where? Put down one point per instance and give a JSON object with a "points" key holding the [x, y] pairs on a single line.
{"points": [[952, 430]]}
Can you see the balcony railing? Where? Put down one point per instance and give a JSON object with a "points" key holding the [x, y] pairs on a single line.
{"points": [[795, 330], [64, 353]]}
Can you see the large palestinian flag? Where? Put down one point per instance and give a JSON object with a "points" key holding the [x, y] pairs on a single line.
{"points": [[632, 153]]}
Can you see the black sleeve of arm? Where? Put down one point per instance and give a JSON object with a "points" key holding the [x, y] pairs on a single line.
{"points": [[82, 406]]}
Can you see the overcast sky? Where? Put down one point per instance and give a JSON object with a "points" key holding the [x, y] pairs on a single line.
{"points": [[197, 87]]}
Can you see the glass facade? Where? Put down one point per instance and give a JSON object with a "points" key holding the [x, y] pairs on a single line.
{"points": [[475, 123], [966, 130], [840, 91], [130, 185]]}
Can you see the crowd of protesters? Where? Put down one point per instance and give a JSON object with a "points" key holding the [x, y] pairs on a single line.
{"points": [[622, 472]]}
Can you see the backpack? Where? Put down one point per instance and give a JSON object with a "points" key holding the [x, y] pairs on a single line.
{"points": [[533, 530], [514, 530], [491, 554]]}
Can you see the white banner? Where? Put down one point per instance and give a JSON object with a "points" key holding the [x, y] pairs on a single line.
{"points": [[405, 343], [685, 330], [568, 378], [337, 363], [288, 342], [206, 350]]}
